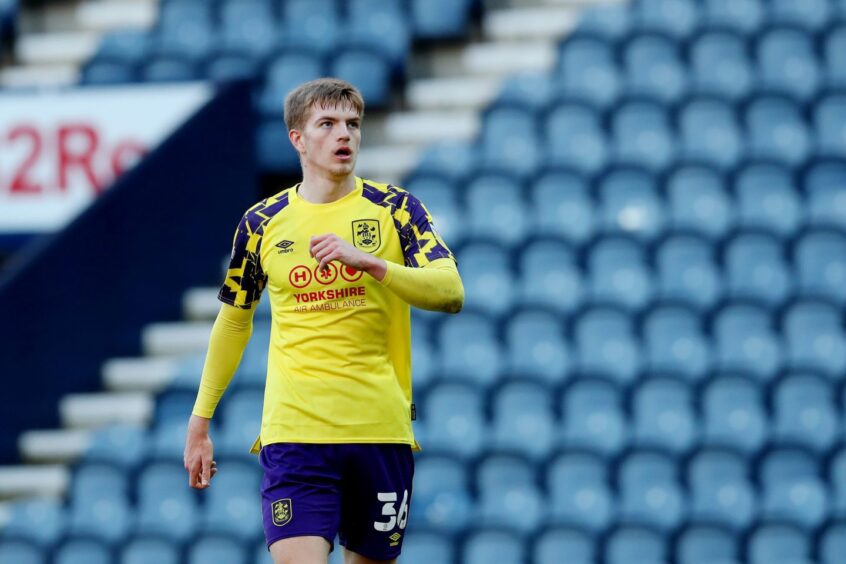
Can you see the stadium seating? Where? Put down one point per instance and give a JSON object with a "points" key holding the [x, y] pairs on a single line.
{"points": [[652, 239]]}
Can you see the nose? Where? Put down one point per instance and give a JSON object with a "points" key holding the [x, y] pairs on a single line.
{"points": [[343, 131]]}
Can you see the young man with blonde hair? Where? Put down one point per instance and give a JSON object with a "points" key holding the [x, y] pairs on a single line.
{"points": [[342, 259]]}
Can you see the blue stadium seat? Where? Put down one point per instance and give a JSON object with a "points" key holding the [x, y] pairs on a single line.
{"points": [[380, 24], [167, 439], [144, 550], [650, 492], [820, 259], [710, 132], [837, 479], [124, 445], [564, 544], [768, 198], [677, 18], [523, 420], [169, 69], [103, 71], [606, 344], [642, 135], [440, 19], [231, 65], [185, 29], [674, 341], [532, 89], [509, 495], [634, 543], [537, 346], [510, 139], [593, 416], [619, 273], [82, 551], [454, 159], [579, 490], [575, 137], [441, 498], [423, 357], [663, 415], [369, 70], [698, 200], [830, 124], [629, 202], [166, 506], [424, 547], [488, 277], [440, 196], [40, 520], [746, 340], [812, 15], [496, 208], [232, 506], [453, 419], [125, 45], [242, 412], [720, 489], [787, 62], [815, 338], [756, 268], [285, 72], [21, 552], [791, 487], [486, 545], [824, 183], [654, 68], [562, 206], [216, 550], [832, 544], [778, 543], [687, 271], [777, 130], [743, 16], [248, 25], [805, 411], [733, 414], [835, 44], [313, 23], [99, 503], [720, 64], [587, 70], [470, 348], [612, 22], [704, 543], [550, 276]]}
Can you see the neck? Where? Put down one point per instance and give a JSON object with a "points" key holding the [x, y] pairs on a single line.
{"points": [[322, 190]]}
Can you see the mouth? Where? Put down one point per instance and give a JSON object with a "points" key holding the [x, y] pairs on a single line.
{"points": [[344, 153]]}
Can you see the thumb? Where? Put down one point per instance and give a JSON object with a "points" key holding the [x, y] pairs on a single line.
{"points": [[206, 473]]}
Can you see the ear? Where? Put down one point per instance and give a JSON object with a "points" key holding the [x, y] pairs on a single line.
{"points": [[296, 137]]}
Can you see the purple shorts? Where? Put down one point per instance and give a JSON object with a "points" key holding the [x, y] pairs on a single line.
{"points": [[361, 492]]}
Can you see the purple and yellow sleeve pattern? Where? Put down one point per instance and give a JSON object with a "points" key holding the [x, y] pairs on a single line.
{"points": [[245, 278], [421, 243]]}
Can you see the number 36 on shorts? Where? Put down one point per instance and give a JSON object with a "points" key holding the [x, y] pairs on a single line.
{"points": [[389, 499]]}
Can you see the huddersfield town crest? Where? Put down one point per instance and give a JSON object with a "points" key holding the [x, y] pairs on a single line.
{"points": [[366, 234], [282, 512]]}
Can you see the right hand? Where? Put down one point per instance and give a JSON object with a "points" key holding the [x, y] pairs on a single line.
{"points": [[199, 454]]}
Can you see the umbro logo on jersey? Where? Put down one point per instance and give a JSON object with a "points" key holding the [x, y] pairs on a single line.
{"points": [[285, 246]]}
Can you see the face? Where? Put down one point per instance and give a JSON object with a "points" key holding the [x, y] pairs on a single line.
{"points": [[329, 142]]}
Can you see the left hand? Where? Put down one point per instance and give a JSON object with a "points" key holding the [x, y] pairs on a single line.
{"points": [[329, 247]]}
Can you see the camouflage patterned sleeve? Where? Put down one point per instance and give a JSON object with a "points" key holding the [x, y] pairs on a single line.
{"points": [[245, 278], [421, 243]]}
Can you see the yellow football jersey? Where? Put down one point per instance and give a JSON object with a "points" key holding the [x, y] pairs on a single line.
{"points": [[339, 364]]}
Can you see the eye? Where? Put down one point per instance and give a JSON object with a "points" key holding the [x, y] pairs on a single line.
{"points": [[354, 124], [326, 123]]}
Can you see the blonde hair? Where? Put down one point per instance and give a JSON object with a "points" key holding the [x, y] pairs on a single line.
{"points": [[326, 92]]}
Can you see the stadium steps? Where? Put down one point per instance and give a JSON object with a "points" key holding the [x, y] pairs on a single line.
{"points": [[89, 411], [65, 48], [30, 480], [520, 36], [176, 338], [53, 446], [142, 374]]}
